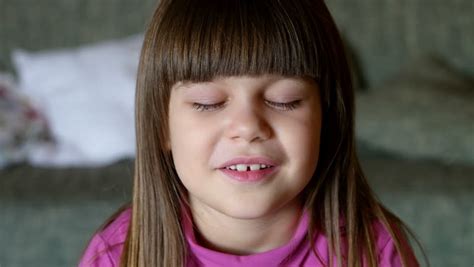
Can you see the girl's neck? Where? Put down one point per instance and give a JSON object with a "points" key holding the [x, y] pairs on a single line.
{"points": [[217, 231]]}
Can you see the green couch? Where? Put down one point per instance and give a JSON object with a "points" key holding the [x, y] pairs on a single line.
{"points": [[48, 215]]}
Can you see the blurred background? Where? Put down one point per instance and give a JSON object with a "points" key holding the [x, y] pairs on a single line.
{"points": [[67, 73]]}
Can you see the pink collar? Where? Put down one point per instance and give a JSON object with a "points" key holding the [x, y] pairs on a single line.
{"points": [[278, 256]]}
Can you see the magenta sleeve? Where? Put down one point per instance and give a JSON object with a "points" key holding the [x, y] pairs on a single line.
{"points": [[389, 256], [97, 254]]}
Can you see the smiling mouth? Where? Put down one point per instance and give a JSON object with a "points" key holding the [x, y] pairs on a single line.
{"points": [[247, 167], [249, 173]]}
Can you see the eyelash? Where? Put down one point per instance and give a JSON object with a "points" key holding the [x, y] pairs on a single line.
{"points": [[205, 107], [286, 106], [282, 106]]}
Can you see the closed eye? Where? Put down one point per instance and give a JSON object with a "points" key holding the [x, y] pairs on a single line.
{"points": [[281, 106], [206, 107], [284, 106]]}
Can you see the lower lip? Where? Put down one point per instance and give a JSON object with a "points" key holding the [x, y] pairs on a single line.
{"points": [[249, 176]]}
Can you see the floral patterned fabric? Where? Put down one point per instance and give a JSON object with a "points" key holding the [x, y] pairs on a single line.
{"points": [[21, 124]]}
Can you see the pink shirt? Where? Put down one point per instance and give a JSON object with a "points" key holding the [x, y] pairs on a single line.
{"points": [[105, 249]]}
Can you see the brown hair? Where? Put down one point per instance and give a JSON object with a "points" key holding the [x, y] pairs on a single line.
{"points": [[199, 40]]}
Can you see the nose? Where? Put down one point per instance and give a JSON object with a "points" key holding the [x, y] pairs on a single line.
{"points": [[248, 123]]}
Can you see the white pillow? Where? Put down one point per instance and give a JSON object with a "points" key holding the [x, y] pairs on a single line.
{"points": [[87, 96]]}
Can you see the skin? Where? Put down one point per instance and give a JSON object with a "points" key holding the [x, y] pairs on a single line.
{"points": [[243, 120]]}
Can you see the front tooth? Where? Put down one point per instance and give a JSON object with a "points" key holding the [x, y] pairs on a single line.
{"points": [[232, 167], [255, 167], [241, 167]]}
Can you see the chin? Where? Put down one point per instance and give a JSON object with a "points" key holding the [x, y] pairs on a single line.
{"points": [[247, 212]]}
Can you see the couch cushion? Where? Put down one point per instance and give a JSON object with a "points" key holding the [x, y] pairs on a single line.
{"points": [[426, 110]]}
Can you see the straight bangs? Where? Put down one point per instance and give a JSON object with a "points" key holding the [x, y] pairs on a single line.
{"points": [[199, 40]]}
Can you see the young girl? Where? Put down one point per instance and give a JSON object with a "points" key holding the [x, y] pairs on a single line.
{"points": [[245, 146]]}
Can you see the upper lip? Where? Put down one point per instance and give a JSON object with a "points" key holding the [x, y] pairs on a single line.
{"points": [[248, 160]]}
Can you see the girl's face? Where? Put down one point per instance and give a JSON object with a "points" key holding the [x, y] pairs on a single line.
{"points": [[269, 119]]}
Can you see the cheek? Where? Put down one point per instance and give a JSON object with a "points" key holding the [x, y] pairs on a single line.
{"points": [[191, 145], [302, 144]]}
